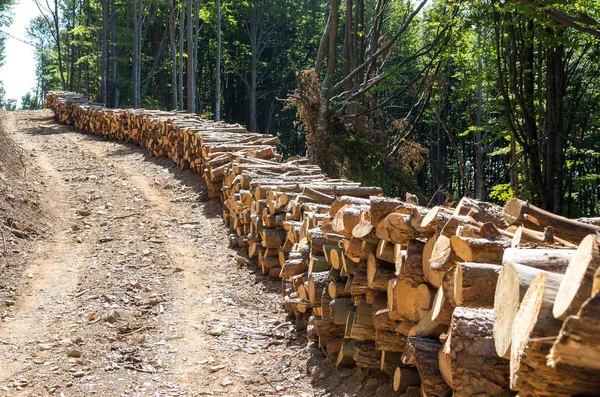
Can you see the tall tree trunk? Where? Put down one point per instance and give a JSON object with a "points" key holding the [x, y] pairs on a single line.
{"points": [[137, 33], [181, 38], [195, 53], [114, 92], [218, 65], [58, 47], [105, 60], [253, 36], [319, 142], [479, 176], [554, 122], [190, 91], [174, 101]]}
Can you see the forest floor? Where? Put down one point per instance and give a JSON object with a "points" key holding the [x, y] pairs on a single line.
{"points": [[116, 280]]}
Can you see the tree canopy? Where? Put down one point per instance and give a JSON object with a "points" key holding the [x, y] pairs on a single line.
{"points": [[444, 98]]}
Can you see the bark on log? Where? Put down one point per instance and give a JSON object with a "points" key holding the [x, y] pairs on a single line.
{"points": [[468, 361], [481, 211], [479, 250], [513, 281], [549, 259], [425, 353], [578, 282], [533, 324], [475, 284], [521, 212], [577, 344]]}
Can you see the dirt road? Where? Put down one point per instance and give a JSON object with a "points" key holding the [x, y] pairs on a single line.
{"points": [[133, 291]]}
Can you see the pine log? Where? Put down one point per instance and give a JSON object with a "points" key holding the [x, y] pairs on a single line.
{"points": [[549, 259], [443, 257], [433, 277], [404, 377], [425, 353], [533, 325], [345, 358], [360, 284], [337, 289], [339, 310], [479, 250], [513, 281], [317, 282], [521, 212], [577, 344], [378, 273], [410, 265], [409, 301], [578, 282], [481, 211], [468, 361], [273, 238], [390, 341], [475, 284], [357, 330], [381, 318], [386, 251], [347, 200], [366, 356]]}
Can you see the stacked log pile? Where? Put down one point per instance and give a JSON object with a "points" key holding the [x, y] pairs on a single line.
{"points": [[472, 300]]}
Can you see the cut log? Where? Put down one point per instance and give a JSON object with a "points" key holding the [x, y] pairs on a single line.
{"points": [[475, 284], [316, 283], [357, 330], [390, 341], [379, 273], [425, 353], [410, 265], [549, 259], [433, 277], [468, 361], [533, 325], [347, 200], [513, 282], [405, 377], [578, 282], [381, 319], [386, 251], [443, 257], [408, 301], [339, 310], [337, 289], [366, 356], [577, 343], [521, 212], [345, 357], [479, 250], [481, 211]]}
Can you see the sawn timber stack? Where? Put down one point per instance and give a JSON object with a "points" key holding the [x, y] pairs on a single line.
{"points": [[472, 300]]}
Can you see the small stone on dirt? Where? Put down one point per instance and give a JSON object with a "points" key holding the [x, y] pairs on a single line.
{"points": [[226, 382], [79, 374], [216, 368], [84, 213], [74, 353], [9, 302], [45, 346], [216, 331]]}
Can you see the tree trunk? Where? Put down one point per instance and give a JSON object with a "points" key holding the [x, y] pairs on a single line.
{"points": [[181, 39], [137, 33], [174, 101], [218, 66], [191, 98], [105, 60]]}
